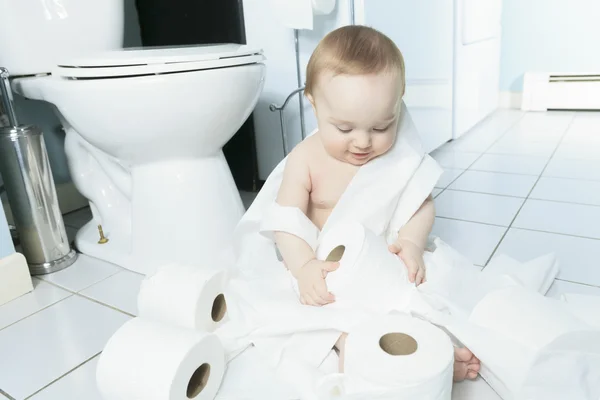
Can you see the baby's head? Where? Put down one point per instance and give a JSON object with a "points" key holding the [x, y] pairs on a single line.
{"points": [[355, 82]]}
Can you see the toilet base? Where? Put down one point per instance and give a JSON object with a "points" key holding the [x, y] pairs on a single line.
{"points": [[182, 211]]}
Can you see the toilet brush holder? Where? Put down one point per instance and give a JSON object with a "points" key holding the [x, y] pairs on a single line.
{"points": [[31, 193]]}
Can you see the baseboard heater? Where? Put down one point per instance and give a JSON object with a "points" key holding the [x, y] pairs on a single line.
{"points": [[544, 91]]}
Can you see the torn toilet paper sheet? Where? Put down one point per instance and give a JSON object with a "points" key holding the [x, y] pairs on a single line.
{"points": [[533, 274], [586, 307], [530, 346]]}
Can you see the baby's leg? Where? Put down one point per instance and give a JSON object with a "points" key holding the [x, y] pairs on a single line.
{"points": [[466, 365]]}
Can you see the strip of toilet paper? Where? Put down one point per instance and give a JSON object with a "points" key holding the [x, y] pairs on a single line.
{"points": [[370, 277], [185, 296], [289, 220], [146, 360], [298, 14], [522, 333], [586, 307], [401, 355], [537, 274]]}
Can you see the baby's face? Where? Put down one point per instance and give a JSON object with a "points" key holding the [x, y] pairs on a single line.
{"points": [[357, 115]]}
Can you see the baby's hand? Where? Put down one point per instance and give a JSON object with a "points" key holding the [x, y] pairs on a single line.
{"points": [[412, 255], [311, 282]]}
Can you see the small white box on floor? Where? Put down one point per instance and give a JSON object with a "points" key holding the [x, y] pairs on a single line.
{"points": [[15, 279]]}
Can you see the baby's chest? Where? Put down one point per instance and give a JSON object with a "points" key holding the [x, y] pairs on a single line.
{"points": [[328, 188]]}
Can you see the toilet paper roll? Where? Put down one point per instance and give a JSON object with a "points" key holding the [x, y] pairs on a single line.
{"points": [[298, 14], [185, 296], [147, 360], [369, 277], [399, 354]]}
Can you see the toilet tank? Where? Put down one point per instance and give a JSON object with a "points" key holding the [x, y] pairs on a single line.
{"points": [[35, 35]]}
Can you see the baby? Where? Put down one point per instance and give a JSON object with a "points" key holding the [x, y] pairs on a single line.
{"points": [[355, 83]]}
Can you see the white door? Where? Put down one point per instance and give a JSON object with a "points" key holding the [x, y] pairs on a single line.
{"points": [[423, 30]]}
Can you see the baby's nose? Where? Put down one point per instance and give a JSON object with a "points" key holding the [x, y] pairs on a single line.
{"points": [[362, 141]]}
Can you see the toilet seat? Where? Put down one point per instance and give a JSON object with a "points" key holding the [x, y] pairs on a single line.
{"points": [[157, 60]]}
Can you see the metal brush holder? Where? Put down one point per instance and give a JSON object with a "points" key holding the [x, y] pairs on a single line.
{"points": [[29, 185]]}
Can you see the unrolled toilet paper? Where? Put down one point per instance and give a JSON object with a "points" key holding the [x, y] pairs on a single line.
{"points": [[398, 355], [533, 346], [298, 14], [147, 360], [369, 277], [185, 296]]}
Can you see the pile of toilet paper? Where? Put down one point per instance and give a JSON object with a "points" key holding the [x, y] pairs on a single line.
{"points": [[170, 351]]}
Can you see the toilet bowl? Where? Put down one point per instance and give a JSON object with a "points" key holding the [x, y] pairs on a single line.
{"points": [[145, 130]]}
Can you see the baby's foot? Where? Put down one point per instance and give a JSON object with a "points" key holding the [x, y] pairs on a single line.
{"points": [[466, 365]]}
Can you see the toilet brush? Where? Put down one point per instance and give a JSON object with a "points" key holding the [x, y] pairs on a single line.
{"points": [[27, 176]]}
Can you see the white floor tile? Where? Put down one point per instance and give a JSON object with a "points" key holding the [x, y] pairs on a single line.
{"points": [[568, 190], [495, 183], [42, 296], [83, 273], [454, 159], [585, 151], [45, 346], [474, 241], [578, 257], [79, 384], [559, 287], [520, 147], [510, 164], [77, 219], [477, 207], [471, 143], [519, 132], [569, 219], [583, 134], [435, 192], [477, 389], [448, 176], [119, 291], [550, 121], [575, 169]]}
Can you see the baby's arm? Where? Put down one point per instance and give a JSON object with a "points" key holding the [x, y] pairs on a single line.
{"points": [[418, 228], [294, 192], [297, 255], [412, 239]]}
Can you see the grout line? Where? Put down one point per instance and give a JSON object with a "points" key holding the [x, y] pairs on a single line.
{"points": [[578, 283], [530, 191], [506, 130], [105, 305], [62, 376], [555, 233], [473, 222], [519, 197], [37, 311], [8, 396]]}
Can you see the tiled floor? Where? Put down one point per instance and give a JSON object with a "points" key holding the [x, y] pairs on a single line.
{"points": [[519, 184]]}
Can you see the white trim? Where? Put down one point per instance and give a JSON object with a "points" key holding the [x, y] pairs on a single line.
{"points": [[510, 100], [69, 200]]}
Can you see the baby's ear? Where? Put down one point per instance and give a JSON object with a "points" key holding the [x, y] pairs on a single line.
{"points": [[311, 100]]}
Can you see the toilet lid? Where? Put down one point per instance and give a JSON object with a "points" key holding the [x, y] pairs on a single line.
{"points": [[156, 60]]}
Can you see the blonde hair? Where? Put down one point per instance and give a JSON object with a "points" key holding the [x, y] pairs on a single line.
{"points": [[354, 50]]}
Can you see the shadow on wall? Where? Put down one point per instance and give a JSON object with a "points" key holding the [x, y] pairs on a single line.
{"points": [[42, 114]]}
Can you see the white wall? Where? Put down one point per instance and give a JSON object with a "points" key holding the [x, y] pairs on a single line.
{"points": [[263, 30], [6, 245], [548, 35]]}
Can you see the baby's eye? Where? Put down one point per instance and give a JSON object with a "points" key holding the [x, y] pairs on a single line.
{"points": [[343, 130], [381, 129]]}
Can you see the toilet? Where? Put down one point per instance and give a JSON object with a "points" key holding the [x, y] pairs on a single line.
{"points": [[145, 128]]}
